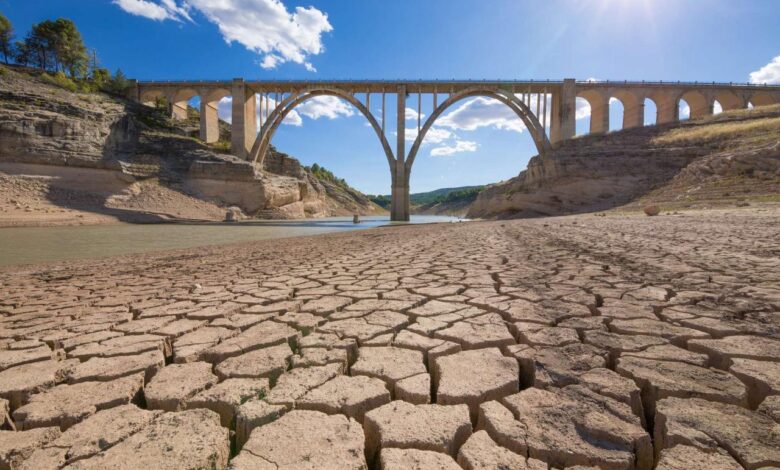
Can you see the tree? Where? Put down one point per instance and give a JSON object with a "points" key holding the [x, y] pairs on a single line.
{"points": [[57, 45], [21, 53], [6, 35]]}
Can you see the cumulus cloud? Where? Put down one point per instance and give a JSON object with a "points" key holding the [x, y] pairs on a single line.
{"points": [[329, 107], [410, 114], [435, 135], [770, 73], [262, 26], [582, 109], [459, 146], [482, 112], [166, 10]]}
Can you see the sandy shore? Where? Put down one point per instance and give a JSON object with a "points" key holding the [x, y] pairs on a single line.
{"points": [[611, 342]]}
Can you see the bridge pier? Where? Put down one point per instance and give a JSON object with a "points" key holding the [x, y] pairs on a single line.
{"points": [[399, 192], [209, 121], [244, 121]]}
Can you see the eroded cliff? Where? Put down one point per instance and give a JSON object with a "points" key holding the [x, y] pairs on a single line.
{"points": [[67, 153], [726, 159]]}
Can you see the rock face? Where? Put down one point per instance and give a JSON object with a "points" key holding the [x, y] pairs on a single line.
{"points": [[113, 145], [642, 167]]}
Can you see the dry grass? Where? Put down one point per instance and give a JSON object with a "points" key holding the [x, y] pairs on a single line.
{"points": [[766, 129]]}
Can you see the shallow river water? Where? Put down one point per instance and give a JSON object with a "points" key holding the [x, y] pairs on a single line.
{"points": [[25, 245]]}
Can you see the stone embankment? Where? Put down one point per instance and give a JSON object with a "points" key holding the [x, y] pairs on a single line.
{"points": [[580, 342]]}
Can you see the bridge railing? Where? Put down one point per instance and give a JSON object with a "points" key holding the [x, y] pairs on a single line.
{"points": [[455, 81]]}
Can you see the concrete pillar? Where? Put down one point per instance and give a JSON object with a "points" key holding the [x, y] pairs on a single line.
{"points": [[555, 117], [567, 109], [209, 120], [702, 108], [599, 114], [634, 113], [244, 126], [179, 110], [668, 109], [399, 199]]}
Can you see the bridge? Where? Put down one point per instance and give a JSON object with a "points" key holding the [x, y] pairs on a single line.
{"points": [[547, 108]]}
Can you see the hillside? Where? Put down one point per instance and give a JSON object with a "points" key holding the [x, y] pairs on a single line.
{"points": [[727, 160], [69, 157], [443, 201]]}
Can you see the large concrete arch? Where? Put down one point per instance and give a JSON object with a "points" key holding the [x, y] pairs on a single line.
{"points": [[535, 128], [287, 105]]}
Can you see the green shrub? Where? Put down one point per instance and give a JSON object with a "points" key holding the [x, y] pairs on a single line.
{"points": [[59, 79]]}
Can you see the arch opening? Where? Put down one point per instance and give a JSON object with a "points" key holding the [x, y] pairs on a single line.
{"points": [[698, 104], [582, 116], [650, 112], [284, 107], [683, 110], [617, 114], [535, 128]]}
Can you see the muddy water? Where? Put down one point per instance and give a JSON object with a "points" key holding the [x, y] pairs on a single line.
{"points": [[46, 244]]}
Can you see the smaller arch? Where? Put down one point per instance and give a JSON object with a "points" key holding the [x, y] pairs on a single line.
{"points": [[599, 110], [650, 112], [683, 110], [617, 114], [582, 115], [717, 108], [763, 98], [150, 96], [633, 108], [729, 100], [179, 102], [700, 105]]}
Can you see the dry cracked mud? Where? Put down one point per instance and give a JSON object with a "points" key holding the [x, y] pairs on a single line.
{"points": [[616, 342]]}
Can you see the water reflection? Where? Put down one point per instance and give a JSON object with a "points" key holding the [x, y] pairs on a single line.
{"points": [[23, 245]]}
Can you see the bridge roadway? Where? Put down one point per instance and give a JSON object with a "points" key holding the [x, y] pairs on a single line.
{"points": [[547, 108]]}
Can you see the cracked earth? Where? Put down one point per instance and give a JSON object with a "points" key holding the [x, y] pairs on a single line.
{"points": [[578, 342]]}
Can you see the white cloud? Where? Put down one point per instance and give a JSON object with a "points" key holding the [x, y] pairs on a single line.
{"points": [[411, 114], [262, 26], [482, 112], [329, 107], [435, 135], [770, 73], [582, 109], [147, 9], [460, 146]]}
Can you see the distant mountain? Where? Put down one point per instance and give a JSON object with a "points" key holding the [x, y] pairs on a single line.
{"points": [[443, 194], [449, 201]]}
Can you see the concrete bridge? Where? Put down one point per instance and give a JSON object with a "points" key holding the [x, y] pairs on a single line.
{"points": [[547, 108]]}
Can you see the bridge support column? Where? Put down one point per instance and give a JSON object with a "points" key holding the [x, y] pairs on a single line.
{"points": [[209, 121], [634, 115], [399, 198], [564, 107], [599, 115], [667, 107], [179, 110], [244, 117]]}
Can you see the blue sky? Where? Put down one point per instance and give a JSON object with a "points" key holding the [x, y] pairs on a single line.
{"points": [[708, 40]]}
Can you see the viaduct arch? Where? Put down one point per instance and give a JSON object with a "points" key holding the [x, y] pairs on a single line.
{"points": [[547, 108]]}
